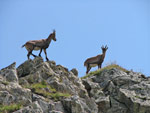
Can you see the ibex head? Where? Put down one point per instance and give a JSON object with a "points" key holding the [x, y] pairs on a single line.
{"points": [[104, 48], [54, 35]]}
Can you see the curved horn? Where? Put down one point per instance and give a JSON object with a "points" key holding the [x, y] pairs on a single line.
{"points": [[54, 30]]}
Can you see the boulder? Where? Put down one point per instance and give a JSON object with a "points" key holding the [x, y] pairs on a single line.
{"points": [[74, 71], [28, 66], [9, 73], [33, 108]]}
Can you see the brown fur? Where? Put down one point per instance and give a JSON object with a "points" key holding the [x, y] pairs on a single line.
{"points": [[42, 44], [95, 61]]}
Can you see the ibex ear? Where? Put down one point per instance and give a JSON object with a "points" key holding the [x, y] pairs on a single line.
{"points": [[102, 47]]}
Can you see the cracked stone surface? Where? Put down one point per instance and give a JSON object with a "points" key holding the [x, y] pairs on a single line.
{"points": [[116, 91]]}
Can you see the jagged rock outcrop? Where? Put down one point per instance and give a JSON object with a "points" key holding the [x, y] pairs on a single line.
{"points": [[116, 91], [6, 72], [44, 87]]}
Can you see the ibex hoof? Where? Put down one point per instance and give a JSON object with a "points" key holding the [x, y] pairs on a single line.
{"points": [[47, 59]]}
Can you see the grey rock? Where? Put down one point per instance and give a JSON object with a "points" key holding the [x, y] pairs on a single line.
{"points": [[25, 68], [28, 66], [74, 71], [77, 105], [14, 93], [103, 104], [6, 98], [44, 87], [59, 107], [53, 111], [33, 108], [9, 73], [119, 92], [44, 105]]}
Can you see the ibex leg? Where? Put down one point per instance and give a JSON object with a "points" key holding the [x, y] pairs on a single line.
{"points": [[40, 53], [30, 53], [99, 66], [33, 55], [88, 69], [46, 55]]}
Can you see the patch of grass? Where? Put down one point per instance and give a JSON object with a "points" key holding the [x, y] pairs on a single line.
{"points": [[97, 72], [10, 108], [5, 82], [31, 79], [45, 90], [58, 95], [142, 97], [60, 80], [40, 85], [53, 95], [116, 66]]}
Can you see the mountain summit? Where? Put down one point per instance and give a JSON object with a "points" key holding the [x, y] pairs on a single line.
{"points": [[44, 87]]}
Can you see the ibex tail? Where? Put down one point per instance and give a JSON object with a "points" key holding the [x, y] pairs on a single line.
{"points": [[23, 45]]}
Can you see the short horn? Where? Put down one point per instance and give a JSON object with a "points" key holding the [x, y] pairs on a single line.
{"points": [[54, 30], [106, 47]]}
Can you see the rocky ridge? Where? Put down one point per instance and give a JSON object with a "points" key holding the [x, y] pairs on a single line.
{"points": [[44, 87]]}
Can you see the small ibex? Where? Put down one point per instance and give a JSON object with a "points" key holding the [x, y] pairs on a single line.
{"points": [[42, 44], [95, 61]]}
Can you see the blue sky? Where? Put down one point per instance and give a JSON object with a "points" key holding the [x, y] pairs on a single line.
{"points": [[82, 27]]}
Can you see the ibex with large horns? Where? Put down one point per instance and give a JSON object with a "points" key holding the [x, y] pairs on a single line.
{"points": [[95, 61], [42, 44]]}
